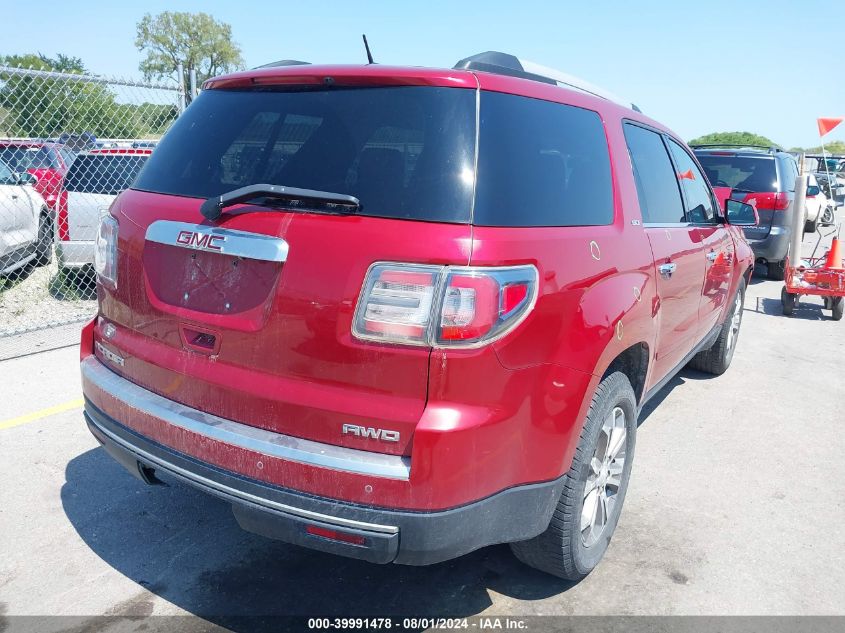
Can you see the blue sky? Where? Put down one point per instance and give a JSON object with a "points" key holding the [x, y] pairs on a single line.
{"points": [[695, 66]]}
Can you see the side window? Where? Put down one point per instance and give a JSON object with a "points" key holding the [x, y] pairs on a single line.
{"points": [[6, 177], [789, 173], [657, 186], [68, 156], [700, 206]]}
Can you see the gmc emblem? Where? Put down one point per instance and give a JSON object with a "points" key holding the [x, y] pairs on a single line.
{"points": [[200, 240], [368, 432]]}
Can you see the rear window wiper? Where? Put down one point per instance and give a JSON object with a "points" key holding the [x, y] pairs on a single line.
{"points": [[213, 207]]}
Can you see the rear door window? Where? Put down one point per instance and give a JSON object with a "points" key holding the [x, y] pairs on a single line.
{"points": [[701, 207], [404, 152], [657, 185], [541, 164], [103, 173]]}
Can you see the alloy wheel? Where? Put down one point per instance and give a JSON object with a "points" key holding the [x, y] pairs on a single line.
{"points": [[605, 477]]}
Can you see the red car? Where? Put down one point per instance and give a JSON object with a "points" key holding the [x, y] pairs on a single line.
{"points": [[48, 162], [400, 314]]}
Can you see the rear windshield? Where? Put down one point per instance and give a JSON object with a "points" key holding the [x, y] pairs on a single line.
{"points": [[19, 159], [404, 152], [106, 173], [749, 173]]}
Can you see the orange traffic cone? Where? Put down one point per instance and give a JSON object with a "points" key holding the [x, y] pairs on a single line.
{"points": [[834, 256]]}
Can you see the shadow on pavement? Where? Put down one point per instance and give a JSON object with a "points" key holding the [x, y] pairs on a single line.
{"points": [[187, 548], [679, 380], [773, 307]]}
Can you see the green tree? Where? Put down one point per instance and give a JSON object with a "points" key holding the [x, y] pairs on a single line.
{"points": [[37, 61], [43, 106], [196, 40], [834, 147], [733, 138]]}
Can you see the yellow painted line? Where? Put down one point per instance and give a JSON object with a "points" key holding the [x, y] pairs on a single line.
{"points": [[43, 413]]}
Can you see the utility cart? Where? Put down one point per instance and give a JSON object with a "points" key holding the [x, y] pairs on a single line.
{"points": [[823, 276]]}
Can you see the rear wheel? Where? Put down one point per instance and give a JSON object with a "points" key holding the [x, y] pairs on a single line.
{"points": [[776, 270], [718, 357], [838, 308], [594, 490], [44, 245], [827, 216], [789, 301]]}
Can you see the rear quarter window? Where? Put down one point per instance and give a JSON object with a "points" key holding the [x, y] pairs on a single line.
{"points": [[541, 163]]}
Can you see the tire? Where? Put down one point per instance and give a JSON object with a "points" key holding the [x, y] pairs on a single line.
{"points": [[776, 270], [838, 308], [827, 216], [44, 245], [718, 357], [564, 550], [789, 302]]}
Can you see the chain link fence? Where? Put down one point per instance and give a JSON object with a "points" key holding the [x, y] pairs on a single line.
{"points": [[69, 143]]}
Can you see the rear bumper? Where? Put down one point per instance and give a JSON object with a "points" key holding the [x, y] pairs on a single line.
{"points": [[772, 248], [75, 254], [379, 535]]}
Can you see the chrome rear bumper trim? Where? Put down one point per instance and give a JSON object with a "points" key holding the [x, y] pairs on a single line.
{"points": [[241, 435], [229, 492]]}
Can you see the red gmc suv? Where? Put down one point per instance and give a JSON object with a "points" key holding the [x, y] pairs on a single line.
{"points": [[400, 314]]}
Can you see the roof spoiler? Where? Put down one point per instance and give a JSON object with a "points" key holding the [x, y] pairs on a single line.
{"points": [[506, 64], [283, 62]]}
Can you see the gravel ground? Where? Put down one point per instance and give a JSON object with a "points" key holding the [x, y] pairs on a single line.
{"points": [[42, 297]]}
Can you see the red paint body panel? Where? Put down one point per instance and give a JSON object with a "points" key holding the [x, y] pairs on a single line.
{"points": [[473, 421], [287, 360]]}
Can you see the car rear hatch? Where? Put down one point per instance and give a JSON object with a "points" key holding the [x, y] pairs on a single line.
{"points": [[249, 316], [753, 179], [90, 187]]}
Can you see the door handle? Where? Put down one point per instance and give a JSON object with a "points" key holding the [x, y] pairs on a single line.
{"points": [[667, 269], [14, 196], [712, 255]]}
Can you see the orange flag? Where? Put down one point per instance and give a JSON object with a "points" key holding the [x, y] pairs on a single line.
{"points": [[826, 124]]}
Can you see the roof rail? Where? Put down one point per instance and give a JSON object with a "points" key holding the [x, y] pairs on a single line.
{"points": [[283, 62], [507, 64], [769, 148]]}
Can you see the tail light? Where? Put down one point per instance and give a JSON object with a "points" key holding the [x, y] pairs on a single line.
{"points": [[61, 218], [781, 201], [443, 306], [105, 251]]}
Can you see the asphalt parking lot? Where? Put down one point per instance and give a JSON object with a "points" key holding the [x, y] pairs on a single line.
{"points": [[735, 507]]}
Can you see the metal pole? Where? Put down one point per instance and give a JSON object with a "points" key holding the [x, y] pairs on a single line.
{"points": [[180, 70], [193, 75], [798, 204]]}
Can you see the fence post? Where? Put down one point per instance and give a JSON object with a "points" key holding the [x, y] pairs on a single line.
{"points": [[180, 70], [193, 72]]}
